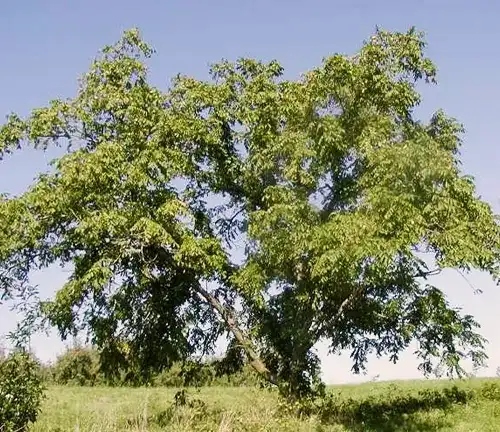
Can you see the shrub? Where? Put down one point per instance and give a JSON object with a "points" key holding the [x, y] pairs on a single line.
{"points": [[78, 366], [171, 377], [21, 391], [82, 366], [193, 374], [490, 391]]}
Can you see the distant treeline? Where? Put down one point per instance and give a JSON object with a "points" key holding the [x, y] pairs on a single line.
{"points": [[82, 366]]}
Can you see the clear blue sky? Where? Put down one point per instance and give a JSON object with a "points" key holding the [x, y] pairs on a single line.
{"points": [[46, 45]]}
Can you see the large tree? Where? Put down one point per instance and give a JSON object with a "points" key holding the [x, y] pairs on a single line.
{"points": [[279, 213]]}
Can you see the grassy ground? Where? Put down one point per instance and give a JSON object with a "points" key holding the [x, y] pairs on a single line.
{"points": [[407, 406]]}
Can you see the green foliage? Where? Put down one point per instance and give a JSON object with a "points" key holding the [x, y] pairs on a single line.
{"points": [[78, 366], [490, 391], [21, 392], [345, 204], [203, 375], [82, 366]]}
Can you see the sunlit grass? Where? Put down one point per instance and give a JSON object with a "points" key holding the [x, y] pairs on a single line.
{"points": [[403, 406]]}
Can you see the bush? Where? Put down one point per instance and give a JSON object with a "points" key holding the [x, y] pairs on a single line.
{"points": [[193, 374], [171, 377], [490, 391], [78, 366], [82, 366], [21, 391]]}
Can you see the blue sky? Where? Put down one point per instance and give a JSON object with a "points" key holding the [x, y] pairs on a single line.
{"points": [[46, 45]]}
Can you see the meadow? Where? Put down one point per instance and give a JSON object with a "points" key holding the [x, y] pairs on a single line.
{"points": [[469, 405]]}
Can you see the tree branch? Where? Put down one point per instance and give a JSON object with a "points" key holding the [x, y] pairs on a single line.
{"points": [[340, 311], [255, 360], [425, 274]]}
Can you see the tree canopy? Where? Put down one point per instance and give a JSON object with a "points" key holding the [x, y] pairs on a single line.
{"points": [[277, 212]]}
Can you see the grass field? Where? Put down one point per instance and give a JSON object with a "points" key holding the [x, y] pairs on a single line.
{"points": [[405, 406]]}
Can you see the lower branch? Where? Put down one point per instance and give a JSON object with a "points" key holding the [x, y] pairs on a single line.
{"points": [[255, 360], [346, 303]]}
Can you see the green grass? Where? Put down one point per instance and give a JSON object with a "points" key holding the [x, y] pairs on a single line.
{"points": [[404, 406]]}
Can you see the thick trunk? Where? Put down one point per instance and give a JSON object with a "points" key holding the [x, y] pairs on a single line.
{"points": [[255, 360]]}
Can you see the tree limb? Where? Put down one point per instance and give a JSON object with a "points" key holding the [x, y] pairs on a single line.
{"points": [[340, 311], [255, 360]]}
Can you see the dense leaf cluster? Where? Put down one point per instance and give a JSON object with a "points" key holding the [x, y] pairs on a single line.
{"points": [[21, 392]]}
